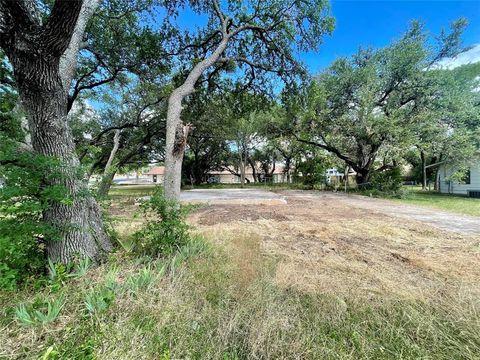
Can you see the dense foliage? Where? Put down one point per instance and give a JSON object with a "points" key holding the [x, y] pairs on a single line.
{"points": [[23, 197], [166, 230]]}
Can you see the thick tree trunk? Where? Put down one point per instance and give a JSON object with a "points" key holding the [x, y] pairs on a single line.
{"points": [[80, 224], [362, 177], [177, 133], [37, 51]]}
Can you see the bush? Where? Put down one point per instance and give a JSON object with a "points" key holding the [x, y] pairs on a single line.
{"points": [[313, 173], [166, 230], [23, 198], [388, 182]]}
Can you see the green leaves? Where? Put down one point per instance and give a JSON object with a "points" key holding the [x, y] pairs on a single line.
{"points": [[166, 230], [370, 109], [42, 312], [23, 196]]}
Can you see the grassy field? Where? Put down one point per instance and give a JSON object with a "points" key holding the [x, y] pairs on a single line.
{"points": [[303, 281], [454, 203]]}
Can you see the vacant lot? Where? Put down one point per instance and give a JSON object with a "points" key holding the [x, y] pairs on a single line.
{"points": [[301, 275], [339, 245]]}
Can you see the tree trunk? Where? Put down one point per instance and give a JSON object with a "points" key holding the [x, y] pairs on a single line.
{"points": [[80, 224], [37, 51], [106, 184], [362, 178], [242, 170], [177, 133], [424, 170], [109, 171], [345, 177], [254, 170], [175, 147], [286, 169]]}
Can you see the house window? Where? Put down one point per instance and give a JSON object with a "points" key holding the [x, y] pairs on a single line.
{"points": [[466, 178]]}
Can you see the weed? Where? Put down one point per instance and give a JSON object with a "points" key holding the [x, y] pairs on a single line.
{"points": [[81, 268], [144, 279], [34, 316], [98, 301]]}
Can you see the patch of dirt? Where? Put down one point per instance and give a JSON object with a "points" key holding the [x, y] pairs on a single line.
{"points": [[327, 246], [215, 214]]}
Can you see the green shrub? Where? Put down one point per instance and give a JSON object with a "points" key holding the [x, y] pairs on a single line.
{"points": [[388, 182], [166, 230], [313, 173], [23, 198]]}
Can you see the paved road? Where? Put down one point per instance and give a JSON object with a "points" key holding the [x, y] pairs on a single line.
{"points": [[233, 196], [437, 218]]}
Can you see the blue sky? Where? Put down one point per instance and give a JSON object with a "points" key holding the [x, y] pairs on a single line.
{"points": [[377, 23]]}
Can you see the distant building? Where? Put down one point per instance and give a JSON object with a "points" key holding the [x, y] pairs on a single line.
{"points": [[231, 175], [333, 176], [468, 185], [156, 174]]}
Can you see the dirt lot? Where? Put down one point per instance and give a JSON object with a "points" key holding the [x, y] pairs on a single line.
{"points": [[339, 245]]}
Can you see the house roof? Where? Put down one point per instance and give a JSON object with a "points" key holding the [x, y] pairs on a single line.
{"points": [[156, 170]]}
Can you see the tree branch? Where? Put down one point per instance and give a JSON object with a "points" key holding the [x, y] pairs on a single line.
{"points": [[68, 61], [57, 32]]}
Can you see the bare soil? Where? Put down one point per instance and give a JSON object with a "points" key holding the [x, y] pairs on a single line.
{"points": [[332, 244]]}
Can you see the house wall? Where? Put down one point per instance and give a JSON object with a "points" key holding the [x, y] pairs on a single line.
{"points": [[159, 179], [450, 187], [232, 179]]}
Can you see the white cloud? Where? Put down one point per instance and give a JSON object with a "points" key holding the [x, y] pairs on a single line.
{"points": [[467, 57]]}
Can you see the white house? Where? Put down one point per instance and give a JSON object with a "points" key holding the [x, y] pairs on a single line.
{"points": [[469, 185]]}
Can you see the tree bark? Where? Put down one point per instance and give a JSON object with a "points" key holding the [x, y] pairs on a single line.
{"points": [[362, 177], [424, 170], [35, 52], [80, 223], [109, 171]]}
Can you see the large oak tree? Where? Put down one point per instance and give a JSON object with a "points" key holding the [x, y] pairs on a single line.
{"points": [[43, 51]]}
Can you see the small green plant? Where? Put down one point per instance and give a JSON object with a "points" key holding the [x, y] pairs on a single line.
{"points": [[81, 268], [33, 315], [196, 246], [166, 230], [23, 315], [50, 354], [128, 244], [98, 301], [144, 279]]}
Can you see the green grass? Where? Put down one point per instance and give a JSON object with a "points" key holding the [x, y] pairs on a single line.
{"points": [[453, 203], [131, 190], [199, 310]]}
